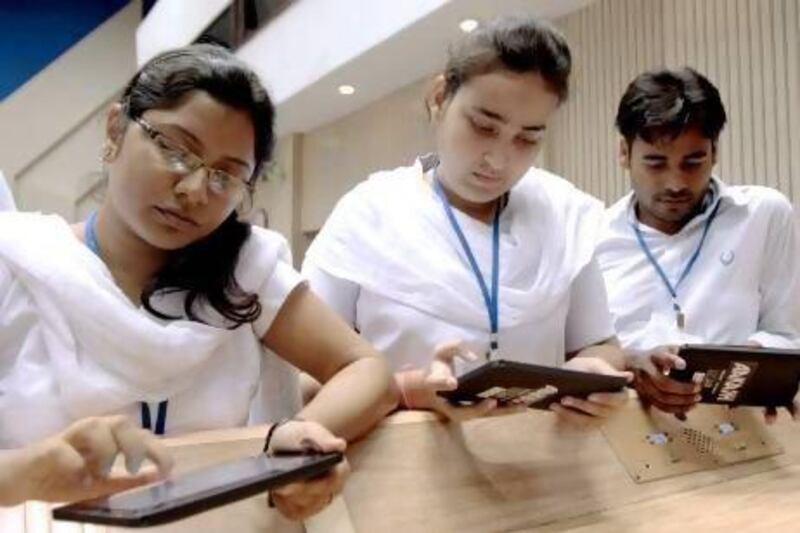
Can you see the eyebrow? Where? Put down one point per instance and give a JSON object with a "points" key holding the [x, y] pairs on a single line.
{"points": [[500, 118], [192, 137], [698, 153], [659, 157]]}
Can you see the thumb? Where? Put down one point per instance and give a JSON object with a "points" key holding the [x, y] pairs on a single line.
{"points": [[317, 438], [446, 352], [440, 377], [666, 360], [626, 374], [99, 487]]}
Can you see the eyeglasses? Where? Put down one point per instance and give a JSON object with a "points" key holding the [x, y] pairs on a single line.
{"points": [[184, 162]]}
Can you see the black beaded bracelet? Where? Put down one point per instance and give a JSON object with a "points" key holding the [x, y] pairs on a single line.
{"points": [[268, 441], [271, 432]]}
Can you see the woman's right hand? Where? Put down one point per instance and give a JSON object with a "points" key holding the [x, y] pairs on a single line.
{"points": [[75, 464], [420, 387]]}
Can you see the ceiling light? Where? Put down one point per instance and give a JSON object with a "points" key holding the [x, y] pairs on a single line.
{"points": [[468, 25], [346, 90]]}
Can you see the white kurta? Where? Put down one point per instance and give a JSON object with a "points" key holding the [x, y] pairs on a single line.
{"points": [[744, 285], [389, 262], [72, 345]]}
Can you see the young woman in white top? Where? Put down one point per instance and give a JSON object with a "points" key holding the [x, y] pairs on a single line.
{"points": [[163, 306], [473, 250]]}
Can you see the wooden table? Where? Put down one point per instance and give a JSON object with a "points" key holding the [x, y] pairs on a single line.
{"points": [[520, 473], [511, 473]]}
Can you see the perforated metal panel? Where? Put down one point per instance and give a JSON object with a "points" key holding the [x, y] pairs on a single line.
{"points": [[654, 445]]}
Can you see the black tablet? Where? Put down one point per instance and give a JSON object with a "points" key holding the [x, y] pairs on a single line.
{"points": [[536, 386], [741, 375], [197, 491]]}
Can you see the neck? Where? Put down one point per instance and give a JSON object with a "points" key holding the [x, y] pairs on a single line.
{"points": [[668, 227], [132, 261], [483, 212]]}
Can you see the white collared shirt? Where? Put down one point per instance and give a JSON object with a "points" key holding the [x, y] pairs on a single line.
{"points": [[744, 285]]}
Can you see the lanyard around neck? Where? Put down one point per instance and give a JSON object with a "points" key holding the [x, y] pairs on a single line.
{"points": [[490, 298], [673, 289], [90, 236]]}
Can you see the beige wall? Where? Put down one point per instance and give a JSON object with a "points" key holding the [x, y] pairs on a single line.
{"points": [[750, 49], [385, 134], [279, 193], [51, 127]]}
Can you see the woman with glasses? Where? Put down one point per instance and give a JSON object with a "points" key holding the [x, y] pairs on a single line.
{"points": [[473, 251], [166, 308]]}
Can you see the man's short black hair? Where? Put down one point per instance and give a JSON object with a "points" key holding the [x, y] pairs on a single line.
{"points": [[664, 103]]}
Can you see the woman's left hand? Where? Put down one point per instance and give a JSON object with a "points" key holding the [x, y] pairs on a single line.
{"points": [[299, 500], [597, 407]]}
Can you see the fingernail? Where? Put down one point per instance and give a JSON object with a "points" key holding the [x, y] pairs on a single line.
{"points": [[309, 445], [566, 401], [697, 398], [134, 463]]}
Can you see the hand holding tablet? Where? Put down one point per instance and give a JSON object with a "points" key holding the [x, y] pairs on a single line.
{"points": [[532, 386], [197, 491], [306, 472], [741, 375]]}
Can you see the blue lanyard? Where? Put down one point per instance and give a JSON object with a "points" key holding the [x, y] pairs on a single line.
{"points": [[673, 290], [90, 236], [491, 300]]}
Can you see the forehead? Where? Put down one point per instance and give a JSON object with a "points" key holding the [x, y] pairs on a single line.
{"points": [[209, 127], [687, 142], [203, 115], [523, 99]]}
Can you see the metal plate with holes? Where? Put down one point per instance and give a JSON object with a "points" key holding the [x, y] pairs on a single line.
{"points": [[654, 445]]}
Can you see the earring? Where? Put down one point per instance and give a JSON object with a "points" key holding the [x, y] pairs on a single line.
{"points": [[108, 152]]}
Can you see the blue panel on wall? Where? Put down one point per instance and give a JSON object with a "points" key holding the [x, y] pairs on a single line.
{"points": [[33, 33]]}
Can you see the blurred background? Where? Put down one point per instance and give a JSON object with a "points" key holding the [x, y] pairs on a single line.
{"points": [[349, 78]]}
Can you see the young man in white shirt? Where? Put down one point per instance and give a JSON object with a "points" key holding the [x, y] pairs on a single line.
{"points": [[687, 258]]}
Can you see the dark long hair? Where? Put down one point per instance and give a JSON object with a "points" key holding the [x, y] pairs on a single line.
{"points": [[204, 270]]}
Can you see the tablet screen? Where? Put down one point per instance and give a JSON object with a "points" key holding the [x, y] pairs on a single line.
{"points": [[199, 490]]}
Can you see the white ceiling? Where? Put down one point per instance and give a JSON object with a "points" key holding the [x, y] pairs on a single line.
{"points": [[409, 54]]}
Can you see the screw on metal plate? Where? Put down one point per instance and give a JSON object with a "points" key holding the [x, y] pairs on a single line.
{"points": [[726, 428], [659, 438]]}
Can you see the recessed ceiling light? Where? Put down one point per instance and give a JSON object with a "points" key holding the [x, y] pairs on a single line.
{"points": [[346, 90], [468, 25]]}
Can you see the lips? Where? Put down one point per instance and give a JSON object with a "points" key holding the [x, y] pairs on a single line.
{"points": [[679, 200], [487, 179], [175, 219]]}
